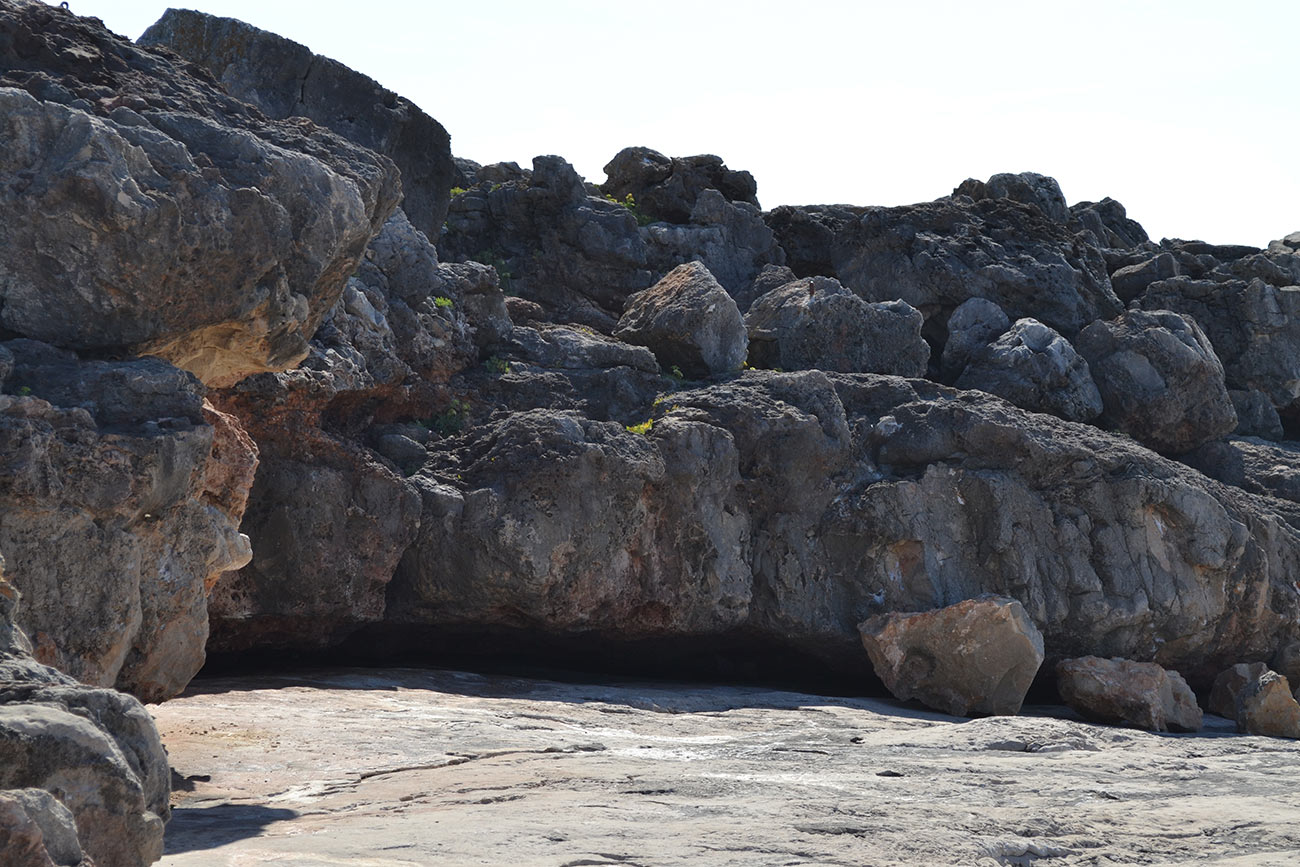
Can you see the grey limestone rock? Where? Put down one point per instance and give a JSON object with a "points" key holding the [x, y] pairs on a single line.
{"points": [[160, 215], [971, 327], [817, 323], [1110, 223], [1159, 378], [1140, 694], [1036, 368], [1256, 415], [36, 830], [669, 188], [688, 321], [285, 79], [1028, 188], [975, 658], [1132, 280], [1229, 685]]}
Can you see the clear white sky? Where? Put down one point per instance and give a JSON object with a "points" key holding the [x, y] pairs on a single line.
{"points": [[1187, 111]]}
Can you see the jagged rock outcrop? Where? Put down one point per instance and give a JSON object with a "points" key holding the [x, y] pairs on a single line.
{"points": [[689, 322], [1121, 691], [669, 188], [1028, 188], [116, 514], [975, 658], [936, 255], [285, 79], [1253, 326], [971, 327], [788, 508], [94, 750], [158, 215], [1159, 379], [330, 511], [1035, 368], [817, 323]]}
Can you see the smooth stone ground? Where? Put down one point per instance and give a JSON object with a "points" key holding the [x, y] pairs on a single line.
{"points": [[398, 768]]}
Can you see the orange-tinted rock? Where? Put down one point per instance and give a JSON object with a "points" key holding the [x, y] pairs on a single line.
{"points": [[1140, 694], [1229, 684], [1266, 707]]}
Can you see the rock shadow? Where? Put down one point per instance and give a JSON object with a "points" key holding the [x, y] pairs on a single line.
{"points": [[192, 829]]}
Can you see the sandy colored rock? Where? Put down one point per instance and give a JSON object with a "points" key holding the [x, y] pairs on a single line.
{"points": [[1265, 706], [313, 769], [36, 830], [975, 658], [1140, 694]]}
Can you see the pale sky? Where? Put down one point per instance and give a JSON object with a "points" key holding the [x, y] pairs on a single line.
{"points": [[1187, 111]]}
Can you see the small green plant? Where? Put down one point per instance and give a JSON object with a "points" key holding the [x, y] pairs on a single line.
{"points": [[643, 428], [642, 218], [25, 390], [497, 365], [444, 302], [452, 419], [456, 191], [676, 373]]}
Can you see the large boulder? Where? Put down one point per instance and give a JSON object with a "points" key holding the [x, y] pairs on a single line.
{"points": [[936, 255], [1229, 685], [975, 658], [972, 326], [1253, 326], [1265, 706], [95, 751], [1140, 694], [285, 79], [1028, 188], [1159, 378], [119, 505], [817, 323], [689, 322], [1036, 368], [159, 215]]}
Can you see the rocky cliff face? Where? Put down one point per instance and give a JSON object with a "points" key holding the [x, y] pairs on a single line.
{"points": [[248, 405]]}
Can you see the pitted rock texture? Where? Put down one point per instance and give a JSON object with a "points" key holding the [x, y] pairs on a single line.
{"points": [[1035, 368], [816, 323], [95, 751], [1159, 378], [669, 188], [689, 322], [116, 515], [1028, 188], [972, 326], [936, 255], [975, 658], [786, 508], [158, 215], [1121, 691], [285, 79]]}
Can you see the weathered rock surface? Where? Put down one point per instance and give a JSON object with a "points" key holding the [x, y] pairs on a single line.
{"points": [[1109, 222], [158, 215], [285, 79], [688, 321], [505, 770], [936, 255], [816, 323], [1159, 378], [1229, 685], [785, 508], [116, 512], [1035, 368], [669, 188], [1140, 694], [975, 658], [36, 830], [96, 751], [1253, 326], [1028, 188], [972, 326], [1265, 706]]}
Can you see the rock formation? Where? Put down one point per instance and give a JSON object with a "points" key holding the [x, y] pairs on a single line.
{"points": [[1139, 694]]}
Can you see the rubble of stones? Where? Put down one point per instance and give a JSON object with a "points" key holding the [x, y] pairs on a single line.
{"points": [[278, 372]]}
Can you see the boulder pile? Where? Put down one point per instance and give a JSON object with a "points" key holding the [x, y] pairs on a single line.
{"points": [[277, 372]]}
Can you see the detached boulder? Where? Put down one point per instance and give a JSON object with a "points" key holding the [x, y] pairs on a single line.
{"points": [[1140, 694], [817, 323], [1267, 707], [285, 79], [1229, 685], [1159, 378], [688, 321], [972, 326], [667, 188], [1036, 368], [975, 658], [1029, 188]]}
